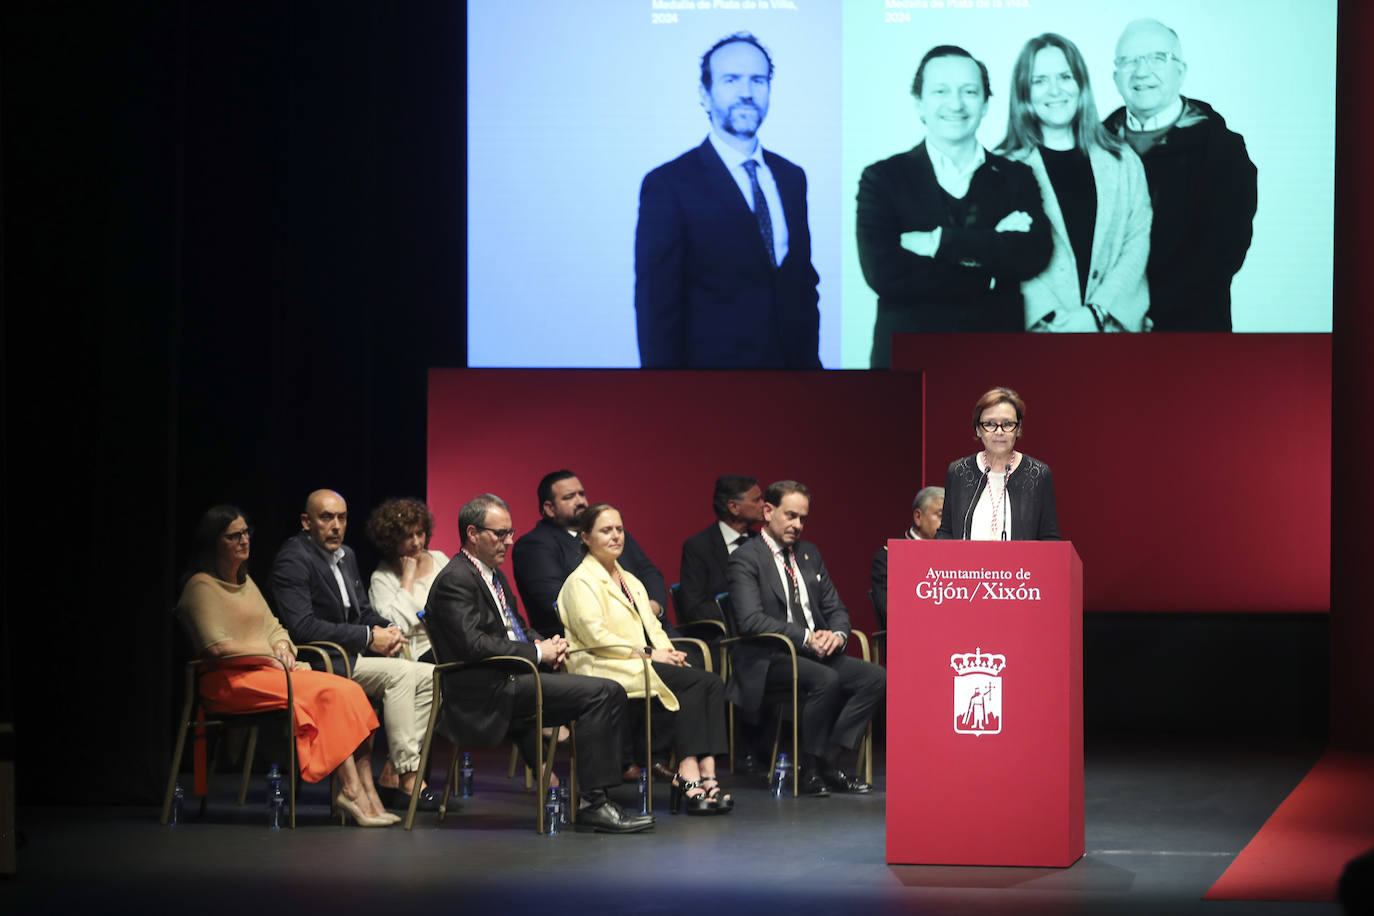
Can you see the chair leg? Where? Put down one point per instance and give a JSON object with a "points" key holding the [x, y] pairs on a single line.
{"points": [[176, 766], [292, 775], [248, 753], [730, 727], [574, 797], [868, 754], [449, 783], [436, 705], [514, 759]]}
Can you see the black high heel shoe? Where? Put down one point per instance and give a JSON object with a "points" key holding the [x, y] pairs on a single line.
{"points": [[721, 802], [696, 804]]}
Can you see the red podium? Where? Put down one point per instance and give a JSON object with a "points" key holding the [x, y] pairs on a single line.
{"points": [[985, 703]]}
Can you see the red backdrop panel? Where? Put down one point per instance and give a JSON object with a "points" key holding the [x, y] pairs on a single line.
{"points": [[1191, 470], [654, 442]]}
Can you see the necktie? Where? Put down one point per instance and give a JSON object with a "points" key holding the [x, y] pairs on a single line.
{"points": [[761, 211], [511, 619], [794, 608]]}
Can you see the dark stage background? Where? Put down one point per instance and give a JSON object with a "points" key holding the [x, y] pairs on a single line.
{"points": [[233, 246]]}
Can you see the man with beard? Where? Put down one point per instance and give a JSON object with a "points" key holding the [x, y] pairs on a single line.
{"points": [[1202, 182], [723, 275], [551, 550]]}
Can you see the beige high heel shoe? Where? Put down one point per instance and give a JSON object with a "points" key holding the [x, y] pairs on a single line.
{"points": [[344, 804]]}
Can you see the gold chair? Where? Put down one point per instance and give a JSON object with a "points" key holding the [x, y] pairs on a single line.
{"points": [[786, 699], [283, 718], [704, 630], [543, 760]]}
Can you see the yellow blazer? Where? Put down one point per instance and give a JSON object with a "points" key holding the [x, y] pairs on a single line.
{"points": [[595, 612]]}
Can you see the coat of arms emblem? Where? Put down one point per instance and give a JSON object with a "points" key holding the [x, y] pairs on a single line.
{"points": [[977, 692]]}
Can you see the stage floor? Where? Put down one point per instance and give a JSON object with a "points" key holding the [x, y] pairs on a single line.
{"points": [[1164, 819]]}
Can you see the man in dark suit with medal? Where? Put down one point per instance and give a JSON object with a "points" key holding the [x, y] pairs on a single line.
{"points": [[723, 275], [779, 584], [471, 614]]}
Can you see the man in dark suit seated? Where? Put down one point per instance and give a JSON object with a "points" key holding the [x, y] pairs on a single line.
{"points": [[779, 584], [723, 275], [547, 554], [926, 511], [320, 595], [470, 615], [738, 503]]}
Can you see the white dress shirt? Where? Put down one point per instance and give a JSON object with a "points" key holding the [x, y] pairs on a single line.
{"points": [[951, 176], [1157, 121], [731, 537], [776, 550], [734, 161], [507, 612]]}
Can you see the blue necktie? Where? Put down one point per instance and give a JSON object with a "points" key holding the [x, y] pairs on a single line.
{"points": [[761, 212], [515, 627]]}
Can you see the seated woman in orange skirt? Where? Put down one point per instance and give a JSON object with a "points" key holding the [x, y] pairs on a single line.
{"points": [[226, 615]]}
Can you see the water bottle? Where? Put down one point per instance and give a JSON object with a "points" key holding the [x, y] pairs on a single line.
{"points": [[564, 805], [782, 772], [276, 803], [465, 776], [553, 812], [178, 795], [644, 791]]}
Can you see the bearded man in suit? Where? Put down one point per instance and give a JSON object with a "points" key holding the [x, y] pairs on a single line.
{"points": [[723, 275]]}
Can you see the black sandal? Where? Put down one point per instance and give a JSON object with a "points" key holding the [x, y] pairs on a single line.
{"points": [[721, 802], [696, 804]]}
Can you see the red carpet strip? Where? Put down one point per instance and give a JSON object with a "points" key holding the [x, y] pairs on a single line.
{"points": [[1300, 851]]}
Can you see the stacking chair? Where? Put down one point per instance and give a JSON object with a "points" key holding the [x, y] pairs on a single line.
{"points": [[543, 760], [879, 636], [786, 698], [193, 719], [704, 631]]}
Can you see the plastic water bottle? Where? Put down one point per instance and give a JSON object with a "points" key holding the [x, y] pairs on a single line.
{"points": [[644, 791], [564, 805], [782, 772], [276, 803], [553, 812], [178, 796], [465, 776]]}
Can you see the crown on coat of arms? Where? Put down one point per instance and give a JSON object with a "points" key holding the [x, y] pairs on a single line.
{"points": [[977, 662]]}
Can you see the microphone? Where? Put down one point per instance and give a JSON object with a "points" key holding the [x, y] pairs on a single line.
{"points": [[968, 516], [1005, 481]]}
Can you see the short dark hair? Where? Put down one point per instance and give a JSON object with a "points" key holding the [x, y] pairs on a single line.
{"points": [[737, 38], [587, 521], [994, 396], [948, 51], [392, 521], [728, 487], [780, 488], [474, 512], [205, 542], [545, 491]]}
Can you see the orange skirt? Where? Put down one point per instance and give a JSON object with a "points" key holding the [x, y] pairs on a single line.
{"points": [[333, 715]]}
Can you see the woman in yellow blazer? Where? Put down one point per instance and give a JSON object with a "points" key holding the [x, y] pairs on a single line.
{"points": [[602, 604]]}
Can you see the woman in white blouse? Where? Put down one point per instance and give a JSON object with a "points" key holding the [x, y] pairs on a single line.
{"points": [[400, 530]]}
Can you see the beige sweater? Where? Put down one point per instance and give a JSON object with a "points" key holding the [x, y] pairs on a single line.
{"points": [[214, 611]]}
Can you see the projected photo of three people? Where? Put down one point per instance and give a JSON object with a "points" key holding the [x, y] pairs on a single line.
{"points": [[1073, 224]]}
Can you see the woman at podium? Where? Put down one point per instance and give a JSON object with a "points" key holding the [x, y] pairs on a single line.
{"points": [[998, 493]]}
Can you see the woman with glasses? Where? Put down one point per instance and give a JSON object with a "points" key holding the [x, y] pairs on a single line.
{"points": [[400, 530], [1096, 198], [232, 629], [998, 493], [603, 605]]}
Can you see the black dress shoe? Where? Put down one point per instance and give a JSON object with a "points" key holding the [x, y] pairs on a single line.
{"points": [[661, 771], [393, 797], [631, 773], [841, 781], [811, 784], [608, 817]]}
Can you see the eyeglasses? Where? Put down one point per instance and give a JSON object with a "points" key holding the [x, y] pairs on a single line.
{"points": [[991, 426], [238, 537], [501, 534], [1155, 60]]}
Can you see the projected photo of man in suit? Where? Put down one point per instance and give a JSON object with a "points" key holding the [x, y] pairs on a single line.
{"points": [[723, 274]]}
